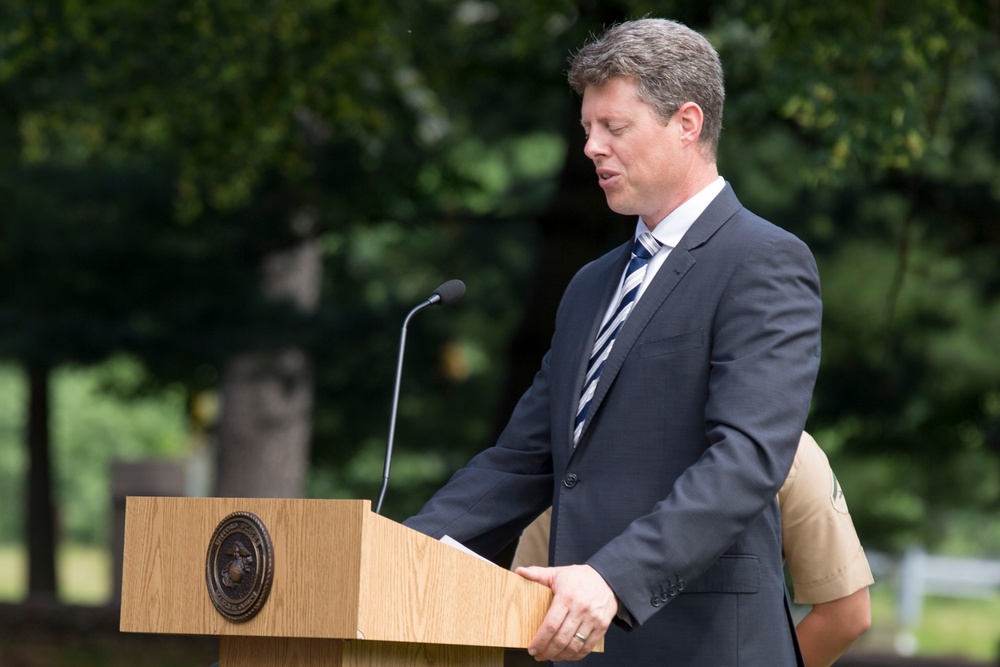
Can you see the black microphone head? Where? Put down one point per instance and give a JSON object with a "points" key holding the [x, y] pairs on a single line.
{"points": [[449, 292]]}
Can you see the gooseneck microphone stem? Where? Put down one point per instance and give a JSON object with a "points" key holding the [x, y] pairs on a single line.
{"points": [[395, 403], [448, 293]]}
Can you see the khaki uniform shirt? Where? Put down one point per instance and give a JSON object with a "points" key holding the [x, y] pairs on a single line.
{"points": [[821, 547]]}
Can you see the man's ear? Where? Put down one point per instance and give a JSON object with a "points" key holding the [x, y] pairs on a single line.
{"points": [[690, 119]]}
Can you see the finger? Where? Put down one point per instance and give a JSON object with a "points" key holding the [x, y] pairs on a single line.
{"points": [[541, 575], [566, 642], [554, 633], [582, 642], [574, 648]]}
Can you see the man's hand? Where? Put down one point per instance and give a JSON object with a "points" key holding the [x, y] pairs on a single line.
{"points": [[583, 606]]}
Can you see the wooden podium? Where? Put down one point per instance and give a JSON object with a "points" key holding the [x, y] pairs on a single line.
{"points": [[349, 588]]}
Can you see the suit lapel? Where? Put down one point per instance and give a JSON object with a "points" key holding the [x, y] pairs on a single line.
{"points": [[604, 287], [670, 274], [666, 279]]}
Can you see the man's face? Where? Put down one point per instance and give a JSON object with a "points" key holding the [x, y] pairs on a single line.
{"points": [[638, 159]]}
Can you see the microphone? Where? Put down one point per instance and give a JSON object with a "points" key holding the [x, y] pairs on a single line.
{"points": [[445, 295]]}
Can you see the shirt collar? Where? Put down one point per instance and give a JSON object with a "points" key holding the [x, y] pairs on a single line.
{"points": [[673, 227]]}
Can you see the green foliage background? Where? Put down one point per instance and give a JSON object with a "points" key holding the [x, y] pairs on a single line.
{"points": [[151, 155], [91, 429]]}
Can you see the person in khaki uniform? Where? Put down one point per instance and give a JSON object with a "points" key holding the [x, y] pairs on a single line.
{"points": [[827, 563]]}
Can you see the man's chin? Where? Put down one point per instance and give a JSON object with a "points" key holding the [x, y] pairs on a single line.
{"points": [[618, 206]]}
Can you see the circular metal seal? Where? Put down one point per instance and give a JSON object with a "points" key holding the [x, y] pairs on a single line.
{"points": [[240, 566]]}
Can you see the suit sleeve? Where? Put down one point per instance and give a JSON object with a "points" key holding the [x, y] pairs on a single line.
{"points": [[765, 340], [487, 503]]}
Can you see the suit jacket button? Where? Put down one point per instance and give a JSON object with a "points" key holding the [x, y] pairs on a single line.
{"points": [[570, 480]]}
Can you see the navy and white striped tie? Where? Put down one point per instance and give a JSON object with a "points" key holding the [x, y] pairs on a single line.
{"points": [[645, 247]]}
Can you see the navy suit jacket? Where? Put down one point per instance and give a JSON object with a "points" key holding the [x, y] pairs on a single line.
{"points": [[670, 493]]}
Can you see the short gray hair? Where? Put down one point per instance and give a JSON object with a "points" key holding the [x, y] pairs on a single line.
{"points": [[670, 64]]}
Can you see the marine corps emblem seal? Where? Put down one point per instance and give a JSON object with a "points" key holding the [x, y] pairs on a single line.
{"points": [[240, 566]]}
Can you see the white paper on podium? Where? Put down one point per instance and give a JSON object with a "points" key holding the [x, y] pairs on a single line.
{"points": [[452, 542]]}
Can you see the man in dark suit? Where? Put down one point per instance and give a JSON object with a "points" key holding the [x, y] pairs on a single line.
{"points": [[666, 414]]}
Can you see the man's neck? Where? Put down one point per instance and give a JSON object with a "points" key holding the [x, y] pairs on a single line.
{"points": [[697, 180]]}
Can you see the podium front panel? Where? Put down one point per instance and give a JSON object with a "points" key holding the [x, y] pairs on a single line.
{"points": [[317, 554]]}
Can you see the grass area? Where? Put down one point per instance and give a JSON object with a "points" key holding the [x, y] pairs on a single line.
{"points": [[948, 626], [12, 573], [83, 574]]}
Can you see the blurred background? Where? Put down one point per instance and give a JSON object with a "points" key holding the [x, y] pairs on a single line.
{"points": [[215, 215]]}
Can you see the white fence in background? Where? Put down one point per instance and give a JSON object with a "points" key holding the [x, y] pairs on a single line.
{"points": [[919, 574]]}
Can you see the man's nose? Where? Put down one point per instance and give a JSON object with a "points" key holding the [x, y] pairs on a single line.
{"points": [[595, 147]]}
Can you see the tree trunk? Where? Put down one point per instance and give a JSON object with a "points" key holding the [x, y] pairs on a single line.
{"points": [[265, 423], [41, 527]]}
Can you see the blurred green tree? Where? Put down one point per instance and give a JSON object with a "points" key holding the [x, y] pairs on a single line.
{"points": [[892, 110], [171, 171], [170, 154], [278, 182]]}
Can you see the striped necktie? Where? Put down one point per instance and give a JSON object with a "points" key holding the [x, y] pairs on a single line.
{"points": [[645, 247]]}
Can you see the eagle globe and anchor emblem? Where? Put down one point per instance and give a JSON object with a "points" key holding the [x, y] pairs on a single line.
{"points": [[240, 566]]}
